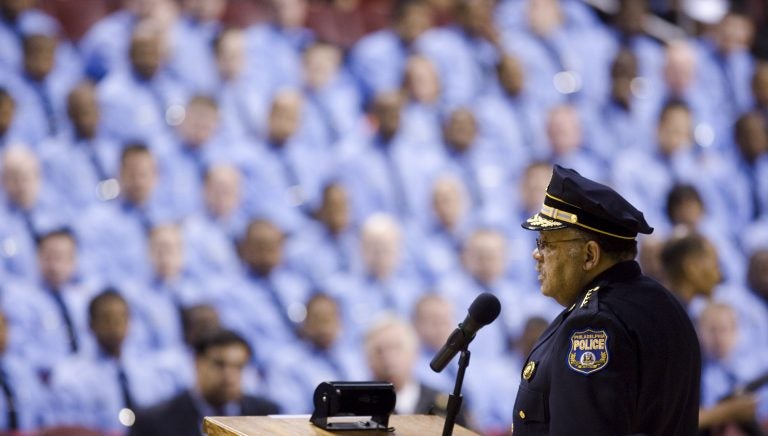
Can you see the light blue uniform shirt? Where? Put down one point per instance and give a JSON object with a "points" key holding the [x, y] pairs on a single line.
{"points": [[136, 109], [155, 315], [565, 50], [210, 244], [514, 123], [339, 253], [437, 249], [40, 335], [86, 390], [244, 105], [278, 50], [113, 238], [192, 60], [265, 310], [333, 111], [19, 227], [284, 181], [384, 177], [720, 378], [363, 298], [645, 179], [295, 373], [31, 400], [77, 168], [727, 78]]}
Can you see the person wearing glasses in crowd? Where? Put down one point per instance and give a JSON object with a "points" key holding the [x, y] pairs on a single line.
{"points": [[623, 357]]}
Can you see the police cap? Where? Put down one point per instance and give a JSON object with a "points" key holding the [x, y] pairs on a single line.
{"points": [[574, 200]]}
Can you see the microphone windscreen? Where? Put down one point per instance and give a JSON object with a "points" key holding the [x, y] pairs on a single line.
{"points": [[485, 308]]}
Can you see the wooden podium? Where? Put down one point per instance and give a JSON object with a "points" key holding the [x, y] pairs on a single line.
{"points": [[405, 425]]}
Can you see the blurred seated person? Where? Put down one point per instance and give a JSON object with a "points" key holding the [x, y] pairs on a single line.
{"points": [[382, 175], [627, 120], [438, 243], [243, 97], [156, 302], [177, 363], [482, 165], [728, 64], [104, 48], [692, 271], [386, 281], [267, 282], [334, 104], [570, 142], [749, 174], [378, 59], [211, 234], [686, 209], [50, 312], [83, 160], [725, 372], [143, 100], [140, 201], [483, 263], [322, 352], [507, 113], [220, 358], [645, 175], [332, 233], [27, 207], [42, 88], [102, 389], [433, 321], [391, 349]]}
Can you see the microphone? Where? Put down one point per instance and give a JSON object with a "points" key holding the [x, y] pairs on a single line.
{"points": [[481, 312]]}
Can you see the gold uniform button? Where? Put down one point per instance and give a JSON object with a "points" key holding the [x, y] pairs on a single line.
{"points": [[522, 414]]}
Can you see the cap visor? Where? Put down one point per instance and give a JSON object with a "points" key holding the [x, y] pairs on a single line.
{"points": [[540, 222]]}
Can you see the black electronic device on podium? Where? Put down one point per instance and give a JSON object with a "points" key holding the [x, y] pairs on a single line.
{"points": [[339, 399]]}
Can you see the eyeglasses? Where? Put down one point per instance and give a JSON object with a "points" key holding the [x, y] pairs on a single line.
{"points": [[543, 245]]}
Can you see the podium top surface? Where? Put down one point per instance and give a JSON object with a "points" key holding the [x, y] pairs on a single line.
{"points": [[405, 425]]}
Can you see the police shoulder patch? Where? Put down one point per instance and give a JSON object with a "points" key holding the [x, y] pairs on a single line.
{"points": [[589, 351]]}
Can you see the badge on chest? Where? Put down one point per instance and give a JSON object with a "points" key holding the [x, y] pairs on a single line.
{"points": [[589, 351]]}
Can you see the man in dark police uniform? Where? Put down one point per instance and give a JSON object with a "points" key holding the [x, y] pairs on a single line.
{"points": [[623, 357]]}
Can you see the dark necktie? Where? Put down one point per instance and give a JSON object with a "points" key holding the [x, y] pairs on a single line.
{"points": [[282, 308], [90, 148], [295, 190], [158, 98], [727, 79], [122, 379], [29, 222], [10, 401], [395, 180], [45, 98], [326, 116], [59, 300]]}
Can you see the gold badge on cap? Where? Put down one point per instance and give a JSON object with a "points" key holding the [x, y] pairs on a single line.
{"points": [[529, 369]]}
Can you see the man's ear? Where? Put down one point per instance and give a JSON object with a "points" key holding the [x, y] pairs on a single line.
{"points": [[592, 255]]}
